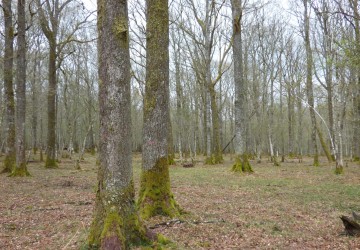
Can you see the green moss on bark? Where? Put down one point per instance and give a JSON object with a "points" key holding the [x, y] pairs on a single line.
{"points": [[155, 194], [51, 163], [116, 221], [171, 159], [9, 163], [20, 171], [214, 159], [316, 161], [339, 170], [242, 164], [275, 161]]}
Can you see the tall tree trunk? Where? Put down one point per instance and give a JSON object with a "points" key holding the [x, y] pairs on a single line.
{"points": [[309, 84], [356, 98], [51, 100], [300, 122], [216, 149], [34, 98], [291, 113], [155, 193], [179, 99], [20, 169], [242, 163], [10, 157], [116, 223]]}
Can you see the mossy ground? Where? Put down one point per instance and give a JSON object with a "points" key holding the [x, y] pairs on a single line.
{"points": [[269, 209]]}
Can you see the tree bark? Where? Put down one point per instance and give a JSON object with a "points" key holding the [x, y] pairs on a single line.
{"points": [[21, 169], [309, 84], [242, 163], [155, 195], [116, 224], [10, 157]]}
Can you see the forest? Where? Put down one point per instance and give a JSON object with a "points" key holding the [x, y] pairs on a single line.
{"points": [[252, 107]]}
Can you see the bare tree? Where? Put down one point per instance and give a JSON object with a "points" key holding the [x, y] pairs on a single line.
{"points": [[50, 15]]}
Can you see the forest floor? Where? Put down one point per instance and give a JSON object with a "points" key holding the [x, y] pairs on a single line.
{"points": [[294, 206]]}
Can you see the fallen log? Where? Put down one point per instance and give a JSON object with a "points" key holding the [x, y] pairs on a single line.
{"points": [[352, 225]]}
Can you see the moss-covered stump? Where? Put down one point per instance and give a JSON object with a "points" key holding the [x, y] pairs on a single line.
{"points": [[155, 196], [20, 171], [242, 165], [116, 224], [51, 163]]}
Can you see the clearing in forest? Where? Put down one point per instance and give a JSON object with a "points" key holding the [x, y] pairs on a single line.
{"points": [[294, 206]]}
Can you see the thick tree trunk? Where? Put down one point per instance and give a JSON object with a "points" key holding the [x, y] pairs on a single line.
{"points": [[10, 157], [116, 224], [20, 169], [242, 162], [155, 195]]}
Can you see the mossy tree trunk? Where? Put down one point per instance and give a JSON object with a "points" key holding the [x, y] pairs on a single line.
{"points": [[309, 84], [116, 223], [155, 195], [241, 163], [20, 169], [10, 157]]}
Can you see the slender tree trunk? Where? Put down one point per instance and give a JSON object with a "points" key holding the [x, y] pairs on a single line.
{"points": [[155, 193], [10, 157], [309, 84], [116, 224], [20, 169], [51, 99], [291, 112], [299, 122], [34, 98], [179, 99], [356, 98], [216, 149]]}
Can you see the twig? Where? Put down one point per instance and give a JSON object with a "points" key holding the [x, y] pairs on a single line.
{"points": [[178, 221], [73, 236]]}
